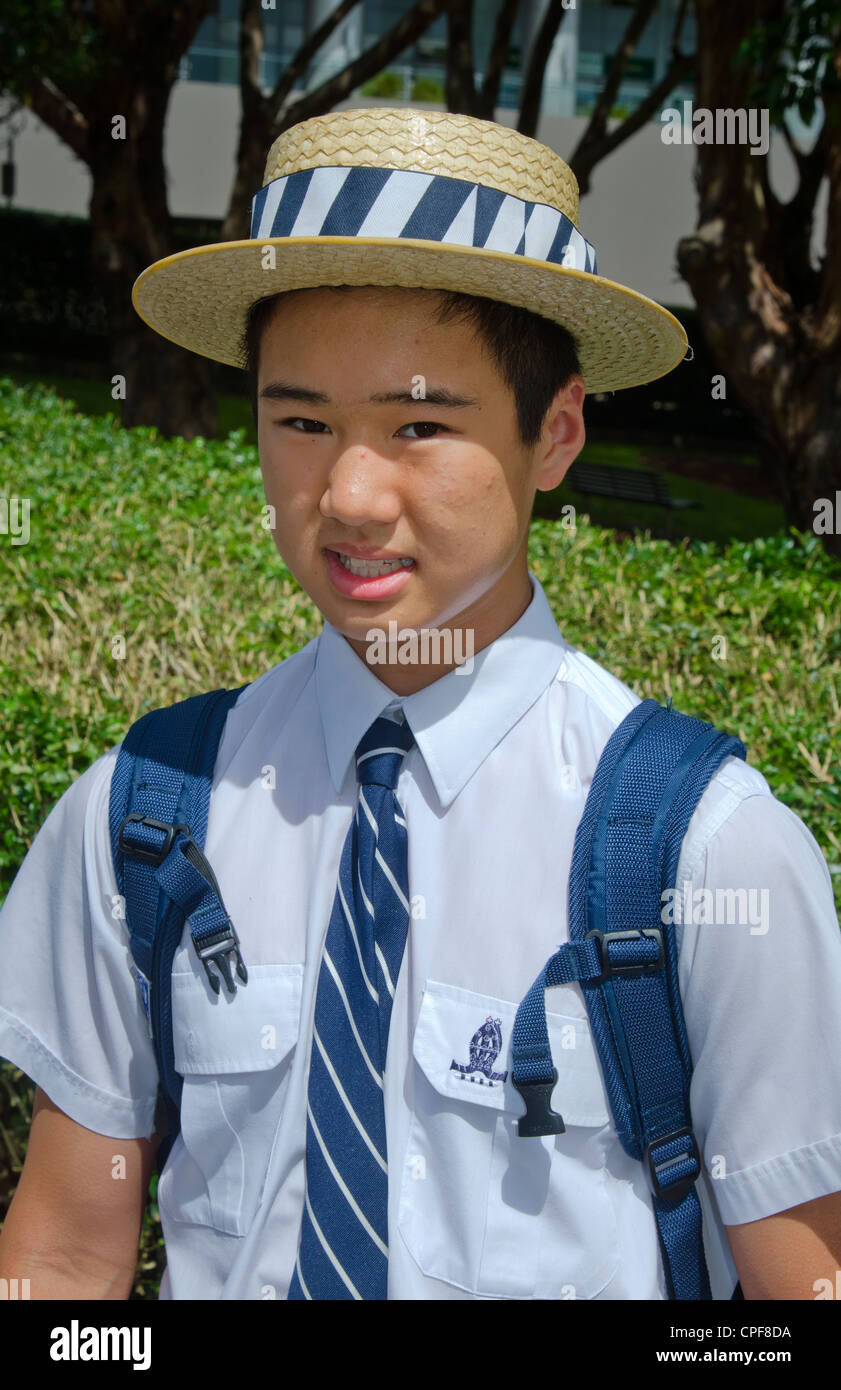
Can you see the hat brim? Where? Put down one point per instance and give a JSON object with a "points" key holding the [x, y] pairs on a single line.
{"points": [[199, 298]]}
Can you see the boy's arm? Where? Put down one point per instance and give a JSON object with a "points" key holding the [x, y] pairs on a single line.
{"points": [[791, 1254], [74, 1223]]}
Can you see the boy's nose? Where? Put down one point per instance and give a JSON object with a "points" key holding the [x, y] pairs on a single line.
{"points": [[360, 485]]}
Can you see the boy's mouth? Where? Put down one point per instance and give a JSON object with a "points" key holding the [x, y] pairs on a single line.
{"points": [[356, 577], [368, 568]]}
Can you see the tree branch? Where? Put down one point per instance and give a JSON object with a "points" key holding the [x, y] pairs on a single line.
{"points": [[251, 45], [828, 326], [503, 29], [307, 52], [591, 150], [604, 105], [460, 83], [64, 118], [337, 87], [678, 29], [811, 168], [532, 89]]}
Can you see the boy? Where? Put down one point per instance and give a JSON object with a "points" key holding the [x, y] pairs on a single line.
{"points": [[401, 879]]}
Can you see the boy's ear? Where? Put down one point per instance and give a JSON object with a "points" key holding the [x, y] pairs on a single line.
{"points": [[563, 436]]}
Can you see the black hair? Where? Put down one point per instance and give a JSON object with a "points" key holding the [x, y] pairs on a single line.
{"points": [[535, 356]]}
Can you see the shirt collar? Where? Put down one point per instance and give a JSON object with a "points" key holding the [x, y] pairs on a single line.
{"points": [[458, 720]]}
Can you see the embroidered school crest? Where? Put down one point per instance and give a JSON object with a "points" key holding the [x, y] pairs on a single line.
{"points": [[485, 1047]]}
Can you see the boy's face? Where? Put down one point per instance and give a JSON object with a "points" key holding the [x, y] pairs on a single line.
{"points": [[449, 487]]}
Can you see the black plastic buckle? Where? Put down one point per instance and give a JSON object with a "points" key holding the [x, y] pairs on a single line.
{"points": [[644, 968], [539, 1118], [672, 1192], [216, 950], [149, 855]]}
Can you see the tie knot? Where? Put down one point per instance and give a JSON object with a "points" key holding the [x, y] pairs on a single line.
{"points": [[380, 753]]}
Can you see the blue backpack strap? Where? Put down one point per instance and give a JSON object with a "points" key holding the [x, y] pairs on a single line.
{"points": [[158, 814], [622, 950]]}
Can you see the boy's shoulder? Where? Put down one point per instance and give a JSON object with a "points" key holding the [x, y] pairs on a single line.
{"points": [[740, 831]]}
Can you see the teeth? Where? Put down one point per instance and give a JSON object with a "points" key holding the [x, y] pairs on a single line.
{"points": [[369, 568]]}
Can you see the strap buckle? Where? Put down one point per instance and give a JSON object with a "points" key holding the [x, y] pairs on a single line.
{"points": [[220, 950], [676, 1190], [539, 1118], [148, 853], [609, 967]]}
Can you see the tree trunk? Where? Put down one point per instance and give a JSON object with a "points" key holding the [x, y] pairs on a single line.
{"points": [[255, 127], [111, 114], [771, 322], [459, 82], [165, 385]]}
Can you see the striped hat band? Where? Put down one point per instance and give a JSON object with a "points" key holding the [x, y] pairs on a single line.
{"points": [[360, 201]]}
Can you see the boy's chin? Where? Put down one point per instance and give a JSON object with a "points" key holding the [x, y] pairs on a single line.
{"points": [[372, 631]]}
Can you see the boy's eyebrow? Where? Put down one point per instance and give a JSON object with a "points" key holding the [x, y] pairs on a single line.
{"points": [[433, 395]]}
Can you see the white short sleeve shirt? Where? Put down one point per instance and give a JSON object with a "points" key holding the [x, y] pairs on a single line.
{"points": [[492, 791]]}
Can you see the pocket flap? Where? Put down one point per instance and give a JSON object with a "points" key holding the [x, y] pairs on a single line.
{"points": [[462, 1044], [252, 1030]]}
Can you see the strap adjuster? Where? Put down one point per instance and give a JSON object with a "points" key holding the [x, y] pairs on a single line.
{"points": [[674, 1191], [216, 950], [610, 967], [148, 853]]}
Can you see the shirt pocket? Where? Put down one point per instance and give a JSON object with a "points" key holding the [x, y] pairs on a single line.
{"points": [[480, 1207], [235, 1054]]}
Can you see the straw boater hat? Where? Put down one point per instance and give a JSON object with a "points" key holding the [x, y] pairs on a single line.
{"points": [[423, 199]]}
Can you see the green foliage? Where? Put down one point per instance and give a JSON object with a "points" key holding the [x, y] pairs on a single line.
{"points": [[385, 84], [161, 542], [54, 40], [795, 60], [427, 89], [655, 614], [618, 112], [722, 515]]}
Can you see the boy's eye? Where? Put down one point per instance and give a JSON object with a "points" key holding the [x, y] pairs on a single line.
{"points": [[299, 420], [295, 420], [425, 425]]}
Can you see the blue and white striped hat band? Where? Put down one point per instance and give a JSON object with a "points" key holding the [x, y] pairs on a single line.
{"points": [[357, 201], [410, 200]]}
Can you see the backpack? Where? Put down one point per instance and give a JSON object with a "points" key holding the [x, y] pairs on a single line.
{"points": [[649, 779]]}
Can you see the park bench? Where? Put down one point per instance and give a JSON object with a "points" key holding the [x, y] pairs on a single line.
{"points": [[626, 484]]}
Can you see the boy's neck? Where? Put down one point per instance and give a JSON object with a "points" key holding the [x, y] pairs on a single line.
{"points": [[457, 642]]}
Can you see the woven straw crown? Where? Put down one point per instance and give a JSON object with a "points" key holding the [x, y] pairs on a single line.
{"points": [[436, 142]]}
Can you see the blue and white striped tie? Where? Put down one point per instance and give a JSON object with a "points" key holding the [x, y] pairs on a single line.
{"points": [[343, 1250]]}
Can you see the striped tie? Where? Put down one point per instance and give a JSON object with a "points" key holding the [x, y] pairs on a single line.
{"points": [[343, 1249]]}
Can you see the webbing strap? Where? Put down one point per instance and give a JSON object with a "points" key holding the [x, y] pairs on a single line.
{"points": [[622, 951], [162, 781]]}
